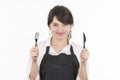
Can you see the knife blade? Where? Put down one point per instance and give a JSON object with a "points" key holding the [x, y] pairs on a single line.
{"points": [[84, 40]]}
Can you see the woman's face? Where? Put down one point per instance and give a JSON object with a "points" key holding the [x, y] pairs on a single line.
{"points": [[59, 30]]}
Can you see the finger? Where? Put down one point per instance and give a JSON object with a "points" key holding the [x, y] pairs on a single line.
{"points": [[84, 55], [34, 53], [85, 52], [34, 57], [83, 60], [85, 49], [35, 49]]}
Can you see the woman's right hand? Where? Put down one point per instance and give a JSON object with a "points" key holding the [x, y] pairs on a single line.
{"points": [[34, 52]]}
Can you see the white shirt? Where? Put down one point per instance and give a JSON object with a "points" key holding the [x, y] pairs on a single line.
{"points": [[42, 49]]}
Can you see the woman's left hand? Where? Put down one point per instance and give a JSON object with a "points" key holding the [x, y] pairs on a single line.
{"points": [[84, 55]]}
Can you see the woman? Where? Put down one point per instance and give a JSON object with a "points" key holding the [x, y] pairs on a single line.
{"points": [[58, 58]]}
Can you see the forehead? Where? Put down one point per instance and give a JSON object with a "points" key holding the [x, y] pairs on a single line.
{"points": [[55, 20]]}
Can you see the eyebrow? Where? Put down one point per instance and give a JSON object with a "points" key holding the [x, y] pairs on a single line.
{"points": [[54, 23]]}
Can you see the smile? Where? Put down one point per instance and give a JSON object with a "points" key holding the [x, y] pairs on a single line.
{"points": [[59, 33]]}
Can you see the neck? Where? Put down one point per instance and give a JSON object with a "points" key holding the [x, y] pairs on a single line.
{"points": [[59, 42]]}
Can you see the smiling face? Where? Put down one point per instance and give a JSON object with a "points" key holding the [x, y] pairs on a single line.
{"points": [[59, 30]]}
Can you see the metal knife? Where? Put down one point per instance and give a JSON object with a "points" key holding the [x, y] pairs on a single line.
{"points": [[84, 40]]}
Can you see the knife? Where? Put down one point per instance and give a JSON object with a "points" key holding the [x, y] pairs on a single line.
{"points": [[84, 40]]}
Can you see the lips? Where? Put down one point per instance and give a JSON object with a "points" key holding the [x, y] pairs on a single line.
{"points": [[60, 33]]}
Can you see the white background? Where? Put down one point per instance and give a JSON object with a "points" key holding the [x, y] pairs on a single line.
{"points": [[99, 19]]}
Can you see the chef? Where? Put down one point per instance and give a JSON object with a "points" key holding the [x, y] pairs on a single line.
{"points": [[57, 58]]}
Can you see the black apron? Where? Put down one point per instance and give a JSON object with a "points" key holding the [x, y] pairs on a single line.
{"points": [[60, 67]]}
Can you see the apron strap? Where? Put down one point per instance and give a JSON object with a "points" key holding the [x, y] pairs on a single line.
{"points": [[47, 49], [71, 50]]}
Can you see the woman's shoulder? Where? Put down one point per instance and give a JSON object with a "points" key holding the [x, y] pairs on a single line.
{"points": [[77, 49], [42, 46], [44, 42], [75, 45]]}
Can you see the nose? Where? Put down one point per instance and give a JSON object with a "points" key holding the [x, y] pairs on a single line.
{"points": [[61, 28]]}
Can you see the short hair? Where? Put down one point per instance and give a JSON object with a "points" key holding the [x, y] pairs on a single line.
{"points": [[62, 13]]}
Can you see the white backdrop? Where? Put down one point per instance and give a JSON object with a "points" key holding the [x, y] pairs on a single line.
{"points": [[99, 19]]}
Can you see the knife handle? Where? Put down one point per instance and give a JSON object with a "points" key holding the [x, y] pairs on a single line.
{"points": [[84, 45]]}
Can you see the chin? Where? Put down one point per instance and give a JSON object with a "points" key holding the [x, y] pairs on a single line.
{"points": [[61, 37]]}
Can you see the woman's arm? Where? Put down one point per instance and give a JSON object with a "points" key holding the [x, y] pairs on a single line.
{"points": [[83, 70], [34, 66], [34, 71]]}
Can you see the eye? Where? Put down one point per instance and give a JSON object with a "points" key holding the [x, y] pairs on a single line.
{"points": [[65, 25], [55, 24]]}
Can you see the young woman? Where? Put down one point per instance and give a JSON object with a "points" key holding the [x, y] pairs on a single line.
{"points": [[58, 58]]}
